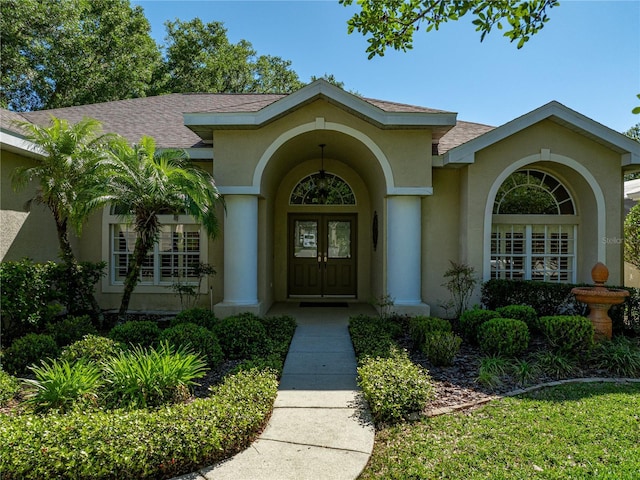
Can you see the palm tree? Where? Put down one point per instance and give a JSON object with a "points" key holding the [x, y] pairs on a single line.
{"points": [[143, 183], [65, 171]]}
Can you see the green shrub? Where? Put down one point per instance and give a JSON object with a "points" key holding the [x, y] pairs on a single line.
{"points": [[620, 356], [371, 336], [151, 377], [557, 364], [93, 348], [9, 387], [161, 443], [524, 371], [568, 334], [143, 333], [27, 350], [520, 312], [394, 387], [441, 347], [70, 329], [420, 326], [280, 331], [197, 339], [242, 336], [272, 362], [33, 294], [200, 316], [503, 336], [62, 386], [472, 319]]}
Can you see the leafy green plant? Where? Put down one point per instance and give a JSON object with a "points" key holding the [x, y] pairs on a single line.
{"points": [[70, 329], [200, 316], [384, 305], [62, 386], [27, 300], [471, 320], [151, 377], [420, 326], [568, 334], [149, 443], [143, 333], [272, 362], [441, 347], [394, 387], [280, 331], [503, 336], [28, 350], [557, 364], [461, 282], [520, 312], [9, 387], [371, 336], [197, 339], [492, 371], [187, 291], [91, 348], [524, 371], [620, 356], [241, 336]]}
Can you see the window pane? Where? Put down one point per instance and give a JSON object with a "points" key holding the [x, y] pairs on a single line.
{"points": [[305, 238], [339, 239]]}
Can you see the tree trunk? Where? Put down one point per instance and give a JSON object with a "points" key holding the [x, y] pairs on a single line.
{"points": [[133, 274], [69, 259]]}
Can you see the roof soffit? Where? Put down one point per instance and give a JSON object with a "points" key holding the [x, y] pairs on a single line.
{"points": [[203, 124], [628, 148]]}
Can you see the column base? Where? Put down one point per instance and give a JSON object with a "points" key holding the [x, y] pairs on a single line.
{"points": [[227, 309], [412, 309]]}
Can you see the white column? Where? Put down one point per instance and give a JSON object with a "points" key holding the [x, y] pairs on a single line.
{"points": [[240, 256], [404, 254]]}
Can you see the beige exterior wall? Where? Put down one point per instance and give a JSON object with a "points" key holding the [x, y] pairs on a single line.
{"points": [[548, 143], [25, 233]]}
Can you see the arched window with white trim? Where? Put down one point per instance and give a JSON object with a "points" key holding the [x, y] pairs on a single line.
{"points": [[534, 229]]}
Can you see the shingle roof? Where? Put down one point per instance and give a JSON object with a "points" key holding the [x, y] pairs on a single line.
{"points": [[461, 133], [162, 116], [7, 119]]}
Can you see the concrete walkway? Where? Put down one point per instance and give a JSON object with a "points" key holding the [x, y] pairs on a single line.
{"points": [[319, 428]]}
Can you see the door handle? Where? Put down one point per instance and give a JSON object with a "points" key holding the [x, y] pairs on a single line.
{"points": [[325, 261], [319, 261]]}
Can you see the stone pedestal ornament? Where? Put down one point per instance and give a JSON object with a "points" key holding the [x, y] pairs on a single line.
{"points": [[599, 299]]}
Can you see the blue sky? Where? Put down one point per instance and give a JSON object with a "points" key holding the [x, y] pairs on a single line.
{"points": [[587, 57]]}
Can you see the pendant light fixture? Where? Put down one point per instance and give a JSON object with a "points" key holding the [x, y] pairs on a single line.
{"points": [[322, 184]]}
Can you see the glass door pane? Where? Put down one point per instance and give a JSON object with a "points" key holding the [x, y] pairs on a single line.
{"points": [[339, 239], [305, 239]]}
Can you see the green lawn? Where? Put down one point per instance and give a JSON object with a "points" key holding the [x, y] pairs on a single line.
{"points": [[568, 432]]}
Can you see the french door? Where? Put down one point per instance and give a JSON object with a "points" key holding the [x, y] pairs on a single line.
{"points": [[322, 255]]}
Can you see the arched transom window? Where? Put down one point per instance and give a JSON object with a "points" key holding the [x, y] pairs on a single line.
{"points": [[534, 229], [317, 189], [531, 192]]}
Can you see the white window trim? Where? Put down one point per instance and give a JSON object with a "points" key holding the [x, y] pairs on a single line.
{"points": [[109, 219], [523, 162]]}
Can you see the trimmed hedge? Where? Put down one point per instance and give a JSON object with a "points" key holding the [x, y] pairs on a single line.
{"points": [[441, 347], [394, 387], [93, 348], [549, 299], [200, 316], [568, 334], [471, 320], [197, 339], [28, 350], [70, 329], [506, 337], [520, 312], [371, 336], [140, 444], [242, 337], [143, 333], [420, 326]]}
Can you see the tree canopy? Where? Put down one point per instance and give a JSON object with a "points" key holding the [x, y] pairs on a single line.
{"points": [[392, 23], [60, 53], [634, 133]]}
